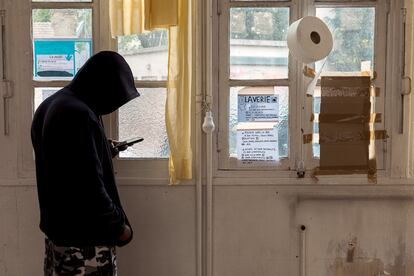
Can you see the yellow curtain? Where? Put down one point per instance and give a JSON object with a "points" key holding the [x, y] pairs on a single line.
{"points": [[126, 17], [133, 16], [161, 13], [178, 106]]}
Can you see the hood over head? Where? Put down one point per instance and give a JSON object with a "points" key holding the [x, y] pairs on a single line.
{"points": [[104, 83]]}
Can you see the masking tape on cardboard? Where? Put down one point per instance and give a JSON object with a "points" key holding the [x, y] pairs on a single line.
{"points": [[309, 72], [346, 170], [345, 137], [350, 92], [370, 170], [346, 118]]}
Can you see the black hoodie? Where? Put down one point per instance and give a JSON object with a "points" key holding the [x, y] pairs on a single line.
{"points": [[78, 198]]}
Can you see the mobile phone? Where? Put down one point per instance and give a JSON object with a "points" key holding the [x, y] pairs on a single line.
{"points": [[129, 142]]}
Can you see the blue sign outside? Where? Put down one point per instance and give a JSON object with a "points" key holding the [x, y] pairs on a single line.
{"points": [[60, 58]]}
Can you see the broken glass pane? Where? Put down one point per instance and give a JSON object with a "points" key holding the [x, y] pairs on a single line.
{"points": [[137, 119]]}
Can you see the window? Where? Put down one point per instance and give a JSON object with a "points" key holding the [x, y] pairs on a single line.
{"points": [[55, 39], [254, 74], [64, 35], [147, 55], [258, 87], [262, 106]]}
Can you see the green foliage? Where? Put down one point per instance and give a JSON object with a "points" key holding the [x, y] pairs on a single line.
{"points": [[42, 15], [259, 23], [84, 19], [133, 43], [353, 32]]}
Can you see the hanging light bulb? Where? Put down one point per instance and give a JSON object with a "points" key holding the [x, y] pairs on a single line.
{"points": [[208, 125]]}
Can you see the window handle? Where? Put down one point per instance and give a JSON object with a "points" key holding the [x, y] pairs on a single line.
{"points": [[406, 91]]}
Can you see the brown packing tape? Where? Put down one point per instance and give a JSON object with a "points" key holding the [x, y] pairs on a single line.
{"points": [[309, 72], [350, 92], [346, 118], [348, 170], [371, 135], [378, 135], [346, 81], [307, 138], [372, 170], [342, 169]]}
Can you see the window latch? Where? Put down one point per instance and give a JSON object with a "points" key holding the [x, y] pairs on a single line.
{"points": [[301, 171]]}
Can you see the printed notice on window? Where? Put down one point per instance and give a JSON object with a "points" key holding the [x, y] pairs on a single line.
{"points": [[258, 104], [55, 65], [60, 58], [258, 108], [257, 144]]}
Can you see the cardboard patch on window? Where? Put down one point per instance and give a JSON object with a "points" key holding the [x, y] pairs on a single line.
{"points": [[346, 127]]}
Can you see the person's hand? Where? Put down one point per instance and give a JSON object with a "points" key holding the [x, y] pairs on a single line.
{"points": [[126, 234], [115, 150]]}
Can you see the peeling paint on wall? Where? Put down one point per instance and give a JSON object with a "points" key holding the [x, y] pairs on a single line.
{"points": [[358, 263], [367, 267], [359, 268]]}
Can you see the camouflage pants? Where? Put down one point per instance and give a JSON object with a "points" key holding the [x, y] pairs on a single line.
{"points": [[74, 261]]}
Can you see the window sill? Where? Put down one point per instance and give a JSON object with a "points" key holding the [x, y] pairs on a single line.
{"points": [[332, 187], [289, 178]]}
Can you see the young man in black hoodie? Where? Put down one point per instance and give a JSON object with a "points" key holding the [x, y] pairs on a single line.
{"points": [[80, 210]]}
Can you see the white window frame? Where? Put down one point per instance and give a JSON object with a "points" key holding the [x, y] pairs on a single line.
{"points": [[26, 167], [128, 171], [387, 40], [225, 162], [380, 43], [131, 170]]}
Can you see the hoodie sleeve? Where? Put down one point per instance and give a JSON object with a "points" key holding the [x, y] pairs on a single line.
{"points": [[75, 150]]}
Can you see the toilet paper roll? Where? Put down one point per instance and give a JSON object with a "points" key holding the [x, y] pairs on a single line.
{"points": [[309, 39]]}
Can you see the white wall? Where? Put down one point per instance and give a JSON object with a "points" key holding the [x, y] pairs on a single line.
{"points": [[256, 232]]}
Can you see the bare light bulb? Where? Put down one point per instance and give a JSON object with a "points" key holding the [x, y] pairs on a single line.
{"points": [[208, 124]]}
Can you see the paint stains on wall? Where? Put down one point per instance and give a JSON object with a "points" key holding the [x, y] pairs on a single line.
{"points": [[357, 261], [359, 268]]}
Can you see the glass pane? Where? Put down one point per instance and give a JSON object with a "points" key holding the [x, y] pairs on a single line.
{"points": [[42, 93], [258, 43], [316, 148], [146, 54], [145, 117], [353, 30], [62, 42], [258, 107]]}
